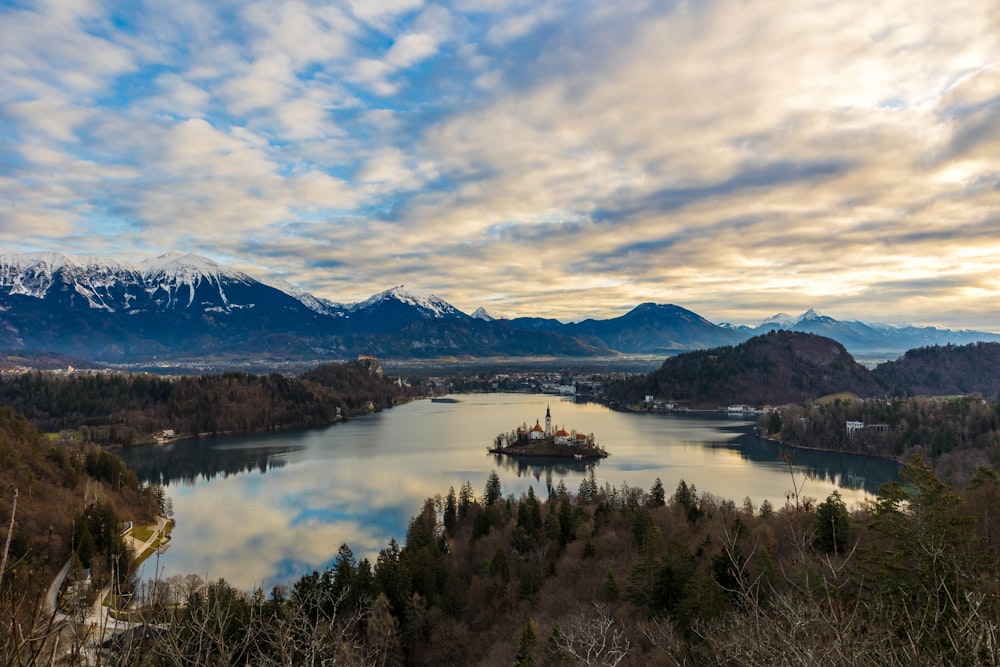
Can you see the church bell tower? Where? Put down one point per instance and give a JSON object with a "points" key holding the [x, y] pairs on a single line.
{"points": [[548, 422]]}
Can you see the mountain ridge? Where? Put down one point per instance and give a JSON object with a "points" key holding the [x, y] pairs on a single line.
{"points": [[181, 304]]}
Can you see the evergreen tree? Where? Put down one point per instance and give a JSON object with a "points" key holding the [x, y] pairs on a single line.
{"points": [[526, 639], [774, 423], [766, 509], [493, 492], [687, 497], [657, 495], [391, 576], [610, 587], [924, 572], [342, 584], [529, 514], [588, 488], [383, 633], [450, 517], [466, 498], [832, 525]]}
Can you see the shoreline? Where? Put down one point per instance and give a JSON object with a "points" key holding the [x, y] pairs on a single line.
{"points": [[828, 450], [228, 434], [780, 443]]}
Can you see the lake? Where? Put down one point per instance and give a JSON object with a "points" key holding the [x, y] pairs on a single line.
{"points": [[267, 509]]}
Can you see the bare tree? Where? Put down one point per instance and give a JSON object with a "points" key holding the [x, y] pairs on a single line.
{"points": [[592, 638]]}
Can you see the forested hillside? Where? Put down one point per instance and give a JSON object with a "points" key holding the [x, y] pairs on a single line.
{"points": [[129, 409], [59, 497], [955, 435], [943, 371], [619, 576], [779, 367]]}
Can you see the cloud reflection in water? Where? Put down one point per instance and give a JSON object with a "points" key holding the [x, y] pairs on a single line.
{"points": [[264, 510]]}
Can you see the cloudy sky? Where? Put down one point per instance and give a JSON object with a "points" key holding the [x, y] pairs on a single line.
{"points": [[562, 158]]}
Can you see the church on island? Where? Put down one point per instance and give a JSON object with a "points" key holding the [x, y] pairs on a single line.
{"points": [[541, 440], [560, 437]]}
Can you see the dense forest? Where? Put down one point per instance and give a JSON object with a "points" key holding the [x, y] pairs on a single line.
{"points": [[779, 367], [129, 409], [620, 576], [944, 370], [956, 435]]}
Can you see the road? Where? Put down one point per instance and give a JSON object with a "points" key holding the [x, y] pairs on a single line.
{"points": [[97, 615]]}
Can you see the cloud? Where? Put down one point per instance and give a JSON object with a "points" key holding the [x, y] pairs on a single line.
{"points": [[410, 49], [711, 154], [517, 25], [375, 11]]}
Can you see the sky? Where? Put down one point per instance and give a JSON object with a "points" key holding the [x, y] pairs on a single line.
{"points": [[556, 158]]}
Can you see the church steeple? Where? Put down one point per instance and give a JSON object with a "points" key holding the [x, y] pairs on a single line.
{"points": [[548, 422]]}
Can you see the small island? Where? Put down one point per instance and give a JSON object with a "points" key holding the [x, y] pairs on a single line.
{"points": [[544, 441]]}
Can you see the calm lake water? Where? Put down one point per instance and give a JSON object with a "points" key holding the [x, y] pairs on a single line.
{"points": [[264, 510]]}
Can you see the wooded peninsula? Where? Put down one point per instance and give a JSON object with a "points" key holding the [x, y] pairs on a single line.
{"points": [[128, 409]]}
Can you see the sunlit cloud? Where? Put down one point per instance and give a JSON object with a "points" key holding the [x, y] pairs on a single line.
{"points": [[735, 158]]}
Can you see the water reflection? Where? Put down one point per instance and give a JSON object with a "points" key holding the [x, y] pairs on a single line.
{"points": [[543, 466], [547, 469], [188, 461], [865, 473], [265, 510]]}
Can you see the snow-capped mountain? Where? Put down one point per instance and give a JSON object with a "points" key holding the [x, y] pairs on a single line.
{"points": [[171, 281], [398, 307], [866, 339], [100, 308], [482, 314], [778, 321], [184, 305], [101, 282], [182, 280], [315, 303], [180, 304], [429, 304]]}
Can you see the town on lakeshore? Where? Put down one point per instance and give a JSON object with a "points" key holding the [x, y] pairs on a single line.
{"points": [[544, 441]]}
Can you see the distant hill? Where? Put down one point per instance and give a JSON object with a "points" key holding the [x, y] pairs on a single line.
{"points": [[944, 370], [649, 328], [778, 367], [652, 328]]}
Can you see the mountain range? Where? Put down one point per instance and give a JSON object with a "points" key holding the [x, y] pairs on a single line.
{"points": [[183, 306]]}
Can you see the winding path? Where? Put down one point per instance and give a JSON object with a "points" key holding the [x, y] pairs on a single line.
{"points": [[98, 614]]}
